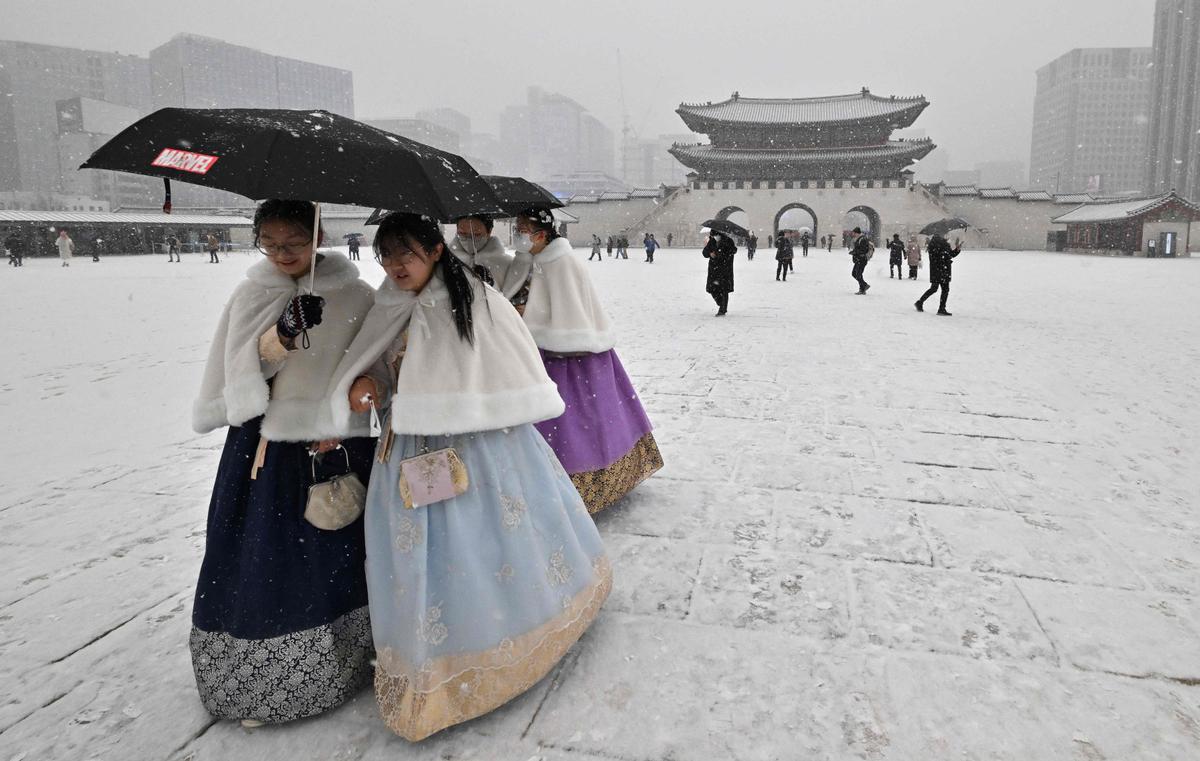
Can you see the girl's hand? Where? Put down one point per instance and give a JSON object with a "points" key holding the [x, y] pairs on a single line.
{"points": [[327, 445], [362, 394]]}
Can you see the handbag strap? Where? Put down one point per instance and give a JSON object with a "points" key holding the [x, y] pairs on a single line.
{"points": [[312, 460]]}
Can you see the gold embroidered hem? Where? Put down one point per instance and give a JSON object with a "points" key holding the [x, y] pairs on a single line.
{"points": [[418, 702], [601, 488]]}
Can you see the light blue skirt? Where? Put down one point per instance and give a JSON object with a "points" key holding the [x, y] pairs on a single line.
{"points": [[474, 599]]}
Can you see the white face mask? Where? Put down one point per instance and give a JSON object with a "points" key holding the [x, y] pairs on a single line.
{"points": [[522, 243], [473, 244]]}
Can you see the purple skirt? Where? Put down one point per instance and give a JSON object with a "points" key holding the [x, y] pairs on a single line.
{"points": [[603, 420]]}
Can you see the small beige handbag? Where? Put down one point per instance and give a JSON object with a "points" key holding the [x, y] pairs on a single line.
{"points": [[431, 477], [336, 503]]}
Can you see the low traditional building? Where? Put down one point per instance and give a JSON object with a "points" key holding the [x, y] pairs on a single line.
{"points": [[1165, 225]]}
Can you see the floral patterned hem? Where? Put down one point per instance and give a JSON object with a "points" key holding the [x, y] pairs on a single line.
{"points": [[601, 488], [416, 702], [283, 678]]}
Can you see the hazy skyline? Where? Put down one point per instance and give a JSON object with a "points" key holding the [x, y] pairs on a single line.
{"points": [[974, 61]]}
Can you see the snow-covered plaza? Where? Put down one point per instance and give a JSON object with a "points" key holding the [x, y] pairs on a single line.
{"points": [[878, 535]]}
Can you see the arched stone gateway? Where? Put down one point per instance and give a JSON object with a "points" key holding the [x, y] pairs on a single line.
{"points": [[795, 216], [736, 215], [866, 218]]}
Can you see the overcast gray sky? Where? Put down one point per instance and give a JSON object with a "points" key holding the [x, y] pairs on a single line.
{"points": [[973, 60]]}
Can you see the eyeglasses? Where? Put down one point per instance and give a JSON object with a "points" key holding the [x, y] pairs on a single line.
{"points": [[404, 258], [292, 249]]}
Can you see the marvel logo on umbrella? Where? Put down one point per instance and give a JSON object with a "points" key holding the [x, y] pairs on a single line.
{"points": [[173, 158]]}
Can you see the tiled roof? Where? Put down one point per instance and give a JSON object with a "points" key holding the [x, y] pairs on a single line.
{"points": [[960, 190], [1034, 195], [85, 217], [997, 193], [646, 193], [613, 195], [1073, 198], [583, 199], [833, 108], [893, 149], [1119, 210]]}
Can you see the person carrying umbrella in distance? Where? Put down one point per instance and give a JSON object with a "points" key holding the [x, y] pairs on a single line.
{"points": [[720, 251], [281, 628], [603, 438], [483, 564]]}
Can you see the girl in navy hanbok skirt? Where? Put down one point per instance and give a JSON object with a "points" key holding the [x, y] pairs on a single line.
{"points": [[280, 622], [477, 593]]}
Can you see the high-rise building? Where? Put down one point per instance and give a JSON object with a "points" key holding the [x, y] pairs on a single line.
{"points": [[191, 71], [1090, 118], [33, 79], [1173, 154], [422, 131], [200, 72], [452, 119], [551, 134], [649, 163]]}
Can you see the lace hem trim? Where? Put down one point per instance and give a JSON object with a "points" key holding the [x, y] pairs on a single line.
{"points": [[601, 488], [416, 703]]}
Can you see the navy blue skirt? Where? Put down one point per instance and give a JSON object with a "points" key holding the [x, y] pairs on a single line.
{"points": [[280, 625]]}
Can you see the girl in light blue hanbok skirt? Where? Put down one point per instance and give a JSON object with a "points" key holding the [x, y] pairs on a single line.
{"points": [[475, 597]]}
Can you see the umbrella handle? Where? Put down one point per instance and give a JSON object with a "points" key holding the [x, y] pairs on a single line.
{"points": [[312, 266]]}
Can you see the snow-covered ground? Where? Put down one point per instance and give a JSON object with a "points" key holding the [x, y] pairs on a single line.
{"points": [[878, 535]]}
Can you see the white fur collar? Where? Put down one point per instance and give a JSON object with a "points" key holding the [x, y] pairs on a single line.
{"points": [[563, 312], [334, 271]]}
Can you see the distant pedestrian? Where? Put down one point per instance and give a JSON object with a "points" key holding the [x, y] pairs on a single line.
{"points": [[751, 247], [784, 254], [66, 247], [353, 248], [12, 249], [804, 243], [860, 253], [670, 238], [595, 248], [214, 245], [896, 257], [651, 246], [720, 251], [96, 249], [622, 246], [829, 243], [172, 249], [914, 258], [941, 260], [770, 241], [610, 245]]}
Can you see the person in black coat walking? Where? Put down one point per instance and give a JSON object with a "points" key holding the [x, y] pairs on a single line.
{"points": [[784, 253], [804, 243], [719, 251], [941, 260], [751, 246], [860, 253], [896, 257]]}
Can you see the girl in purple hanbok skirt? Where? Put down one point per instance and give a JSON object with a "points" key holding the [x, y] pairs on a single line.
{"points": [[603, 438]]}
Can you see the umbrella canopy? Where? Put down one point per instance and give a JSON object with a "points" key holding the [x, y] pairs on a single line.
{"points": [[348, 236], [943, 226], [727, 227], [512, 195], [311, 155]]}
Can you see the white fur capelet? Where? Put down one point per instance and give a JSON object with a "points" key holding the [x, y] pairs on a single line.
{"points": [[446, 385], [492, 255], [234, 387], [563, 312]]}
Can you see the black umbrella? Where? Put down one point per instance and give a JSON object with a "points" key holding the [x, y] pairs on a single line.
{"points": [[943, 226], [512, 194], [727, 227], [348, 236], [314, 155]]}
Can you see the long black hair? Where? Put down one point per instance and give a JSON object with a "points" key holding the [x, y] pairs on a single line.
{"points": [[289, 210], [416, 228]]}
